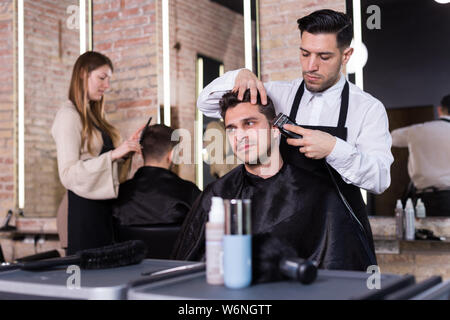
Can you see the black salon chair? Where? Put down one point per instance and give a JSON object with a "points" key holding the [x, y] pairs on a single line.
{"points": [[159, 239]]}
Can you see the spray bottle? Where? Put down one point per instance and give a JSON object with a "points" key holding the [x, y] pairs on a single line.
{"points": [[214, 242], [399, 218], [410, 220]]}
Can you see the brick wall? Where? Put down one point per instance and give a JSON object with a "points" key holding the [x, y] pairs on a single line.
{"points": [[7, 107], [125, 30], [280, 37], [51, 48]]}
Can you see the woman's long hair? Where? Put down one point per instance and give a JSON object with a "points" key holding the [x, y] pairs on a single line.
{"points": [[92, 113]]}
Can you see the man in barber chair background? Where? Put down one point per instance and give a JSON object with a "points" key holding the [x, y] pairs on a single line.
{"points": [[341, 125], [429, 159], [155, 195], [152, 205]]}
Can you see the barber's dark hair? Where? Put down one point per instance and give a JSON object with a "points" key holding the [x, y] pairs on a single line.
{"points": [[230, 100], [445, 103], [157, 142], [328, 21]]}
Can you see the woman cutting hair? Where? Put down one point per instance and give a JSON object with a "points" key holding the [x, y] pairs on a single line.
{"points": [[90, 156]]}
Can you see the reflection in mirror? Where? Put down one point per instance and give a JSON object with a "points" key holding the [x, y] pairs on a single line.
{"points": [[51, 46], [226, 51], [407, 70]]}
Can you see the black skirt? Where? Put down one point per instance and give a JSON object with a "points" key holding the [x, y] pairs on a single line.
{"points": [[90, 222]]}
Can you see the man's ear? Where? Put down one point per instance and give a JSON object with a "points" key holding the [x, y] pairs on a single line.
{"points": [[442, 111], [346, 55], [276, 133], [170, 155]]}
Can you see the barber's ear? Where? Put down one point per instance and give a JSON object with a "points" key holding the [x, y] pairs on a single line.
{"points": [[346, 55]]}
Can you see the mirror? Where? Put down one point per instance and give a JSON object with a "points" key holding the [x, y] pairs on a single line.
{"points": [[407, 70], [225, 51]]}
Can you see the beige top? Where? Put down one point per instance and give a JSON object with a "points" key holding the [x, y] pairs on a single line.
{"points": [[88, 176]]}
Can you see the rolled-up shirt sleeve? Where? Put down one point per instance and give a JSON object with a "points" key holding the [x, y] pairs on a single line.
{"points": [[208, 100], [367, 163], [95, 178]]}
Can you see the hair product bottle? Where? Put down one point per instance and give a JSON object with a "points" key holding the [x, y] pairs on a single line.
{"points": [[399, 219], [237, 244], [214, 242], [410, 220], [420, 209]]}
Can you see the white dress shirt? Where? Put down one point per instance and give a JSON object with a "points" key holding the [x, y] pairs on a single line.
{"points": [[429, 152], [363, 160]]}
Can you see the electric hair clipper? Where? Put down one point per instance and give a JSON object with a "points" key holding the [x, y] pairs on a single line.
{"points": [[282, 119]]}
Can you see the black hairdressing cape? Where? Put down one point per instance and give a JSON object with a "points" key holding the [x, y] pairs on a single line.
{"points": [[295, 206], [154, 196]]}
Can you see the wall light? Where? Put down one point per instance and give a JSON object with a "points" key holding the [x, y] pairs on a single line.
{"points": [[166, 61], [199, 129], [21, 106], [358, 68], [248, 34]]}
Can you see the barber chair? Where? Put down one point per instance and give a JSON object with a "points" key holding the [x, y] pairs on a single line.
{"points": [[159, 239]]}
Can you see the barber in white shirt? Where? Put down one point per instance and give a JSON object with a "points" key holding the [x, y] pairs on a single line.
{"points": [[340, 123], [429, 159]]}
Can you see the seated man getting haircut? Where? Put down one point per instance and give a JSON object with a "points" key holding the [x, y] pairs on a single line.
{"points": [[289, 203], [155, 195]]}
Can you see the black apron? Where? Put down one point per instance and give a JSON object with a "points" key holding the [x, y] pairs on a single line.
{"points": [[293, 156], [447, 120], [90, 223]]}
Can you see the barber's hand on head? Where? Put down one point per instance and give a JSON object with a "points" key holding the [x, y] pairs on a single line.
{"points": [[248, 80], [128, 147], [315, 144]]}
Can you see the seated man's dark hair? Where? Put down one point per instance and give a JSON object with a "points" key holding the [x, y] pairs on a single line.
{"points": [[157, 142], [445, 103], [328, 21], [230, 100]]}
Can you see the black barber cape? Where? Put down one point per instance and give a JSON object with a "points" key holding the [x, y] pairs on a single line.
{"points": [[295, 206], [154, 196]]}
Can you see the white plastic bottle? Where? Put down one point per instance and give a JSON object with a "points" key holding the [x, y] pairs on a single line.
{"points": [[399, 219], [214, 242], [420, 209], [410, 220]]}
